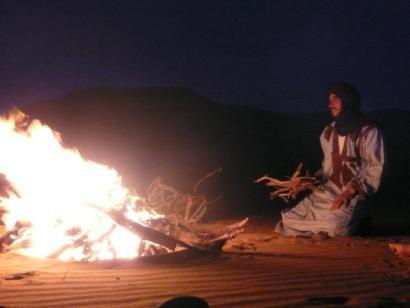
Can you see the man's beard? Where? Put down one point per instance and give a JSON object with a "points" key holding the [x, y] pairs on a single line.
{"points": [[348, 121]]}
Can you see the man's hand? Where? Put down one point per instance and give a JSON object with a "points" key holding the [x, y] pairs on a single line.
{"points": [[297, 189], [343, 199]]}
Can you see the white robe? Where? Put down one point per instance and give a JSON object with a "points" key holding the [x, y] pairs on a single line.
{"points": [[362, 168]]}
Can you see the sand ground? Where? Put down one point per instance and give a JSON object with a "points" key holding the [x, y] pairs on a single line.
{"points": [[256, 269]]}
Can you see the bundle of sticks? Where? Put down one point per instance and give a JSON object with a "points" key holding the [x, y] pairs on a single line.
{"points": [[288, 189]]}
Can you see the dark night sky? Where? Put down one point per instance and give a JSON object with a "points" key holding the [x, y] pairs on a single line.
{"points": [[278, 54]]}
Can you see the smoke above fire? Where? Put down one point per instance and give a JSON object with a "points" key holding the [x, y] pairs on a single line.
{"points": [[56, 199]]}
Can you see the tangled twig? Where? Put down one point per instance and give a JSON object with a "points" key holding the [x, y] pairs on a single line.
{"points": [[186, 208], [290, 188]]}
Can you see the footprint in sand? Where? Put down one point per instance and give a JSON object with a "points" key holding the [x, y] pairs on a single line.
{"points": [[19, 279], [326, 300], [387, 263], [245, 246], [20, 276]]}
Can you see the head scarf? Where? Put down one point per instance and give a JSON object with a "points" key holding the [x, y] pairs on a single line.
{"points": [[350, 118]]}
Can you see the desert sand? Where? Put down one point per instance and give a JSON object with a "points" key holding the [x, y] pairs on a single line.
{"points": [[256, 269]]}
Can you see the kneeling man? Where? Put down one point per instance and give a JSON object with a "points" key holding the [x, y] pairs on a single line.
{"points": [[352, 166]]}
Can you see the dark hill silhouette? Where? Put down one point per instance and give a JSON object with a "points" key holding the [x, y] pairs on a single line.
{"points": [[180, 135]]}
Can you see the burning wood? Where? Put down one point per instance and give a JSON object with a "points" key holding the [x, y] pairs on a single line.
{"points": [[54, 203], [81, 241], [169, 234], [290, 188], [161, 231], [7, 239]]}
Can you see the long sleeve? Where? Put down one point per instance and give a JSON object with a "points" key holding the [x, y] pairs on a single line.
{"points": [[371, 149]]}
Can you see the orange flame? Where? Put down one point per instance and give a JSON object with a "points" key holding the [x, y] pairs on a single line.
{"points": [[57, 193]]}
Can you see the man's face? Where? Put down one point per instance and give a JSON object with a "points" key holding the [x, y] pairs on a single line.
{"points": [[335, 105]]}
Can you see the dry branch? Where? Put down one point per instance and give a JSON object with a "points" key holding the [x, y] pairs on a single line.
{"points": [[289, 189], [82, 240], [169, 234], [185, 208]]}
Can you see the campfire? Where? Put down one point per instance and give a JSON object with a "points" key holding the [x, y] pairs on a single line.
{"points": [[56, 204]]}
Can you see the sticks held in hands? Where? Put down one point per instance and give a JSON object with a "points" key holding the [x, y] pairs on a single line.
{"points": [[289, 189]]}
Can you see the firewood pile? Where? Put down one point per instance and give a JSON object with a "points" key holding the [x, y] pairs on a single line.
{"points": [[164, 219], [176, 228]]}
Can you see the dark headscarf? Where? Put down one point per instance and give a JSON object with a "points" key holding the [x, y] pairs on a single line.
{"points": [[350, 118]]}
